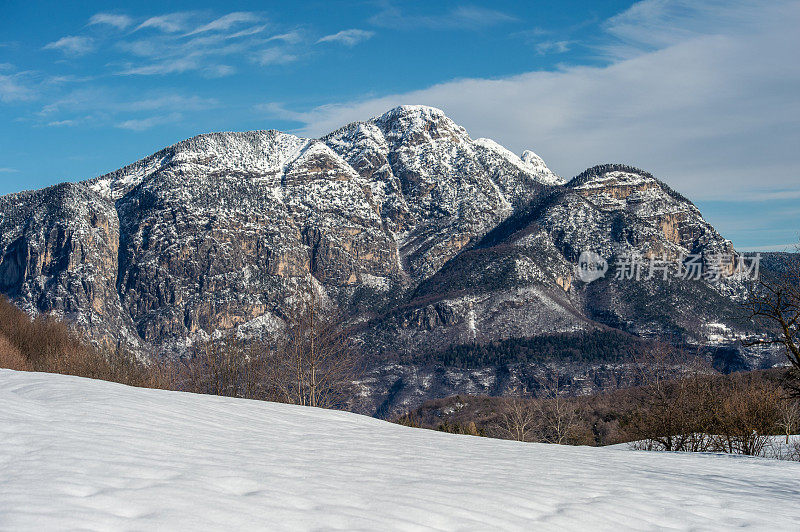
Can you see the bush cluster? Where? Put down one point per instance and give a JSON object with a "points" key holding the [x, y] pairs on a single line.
{"points": [[48, 345]]}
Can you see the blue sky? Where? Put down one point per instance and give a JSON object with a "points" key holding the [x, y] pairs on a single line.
{"points": [[703, 93]]}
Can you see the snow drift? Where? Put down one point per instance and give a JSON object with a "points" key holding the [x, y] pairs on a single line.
{"points": [[78, 453]]}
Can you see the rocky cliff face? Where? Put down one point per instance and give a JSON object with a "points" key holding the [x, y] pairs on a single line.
{"points": [[426, 236], [59, 254]]}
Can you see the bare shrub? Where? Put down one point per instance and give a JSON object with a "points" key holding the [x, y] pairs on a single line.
{"points": [[408, 420], [676, 413], [312, 363], [226, 366], [11, 357], [559, 419], [746, 415], [695, 412], [49, 345]]}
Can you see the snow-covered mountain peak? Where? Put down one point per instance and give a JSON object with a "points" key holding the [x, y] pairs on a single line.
{"points": [[417, 124], [537, 165], [422, 111], [605, 175], [209, 235]]}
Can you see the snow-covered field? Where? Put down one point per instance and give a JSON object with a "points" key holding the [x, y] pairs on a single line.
{"points": [[78, 453]]}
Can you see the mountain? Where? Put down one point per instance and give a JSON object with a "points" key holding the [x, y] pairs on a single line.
{"points": [[427, 238]]}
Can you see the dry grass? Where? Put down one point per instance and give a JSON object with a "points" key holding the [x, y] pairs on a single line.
{"points": [[48, 345], [10, 356]]}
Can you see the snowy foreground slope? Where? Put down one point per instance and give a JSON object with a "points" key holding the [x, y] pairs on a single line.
{"points": [[78, 453]]}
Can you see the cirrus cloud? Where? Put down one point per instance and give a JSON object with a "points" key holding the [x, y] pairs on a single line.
{"points": [[72, 45], [349, 37], [118, 21]]}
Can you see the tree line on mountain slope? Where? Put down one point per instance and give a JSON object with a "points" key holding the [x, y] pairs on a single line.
{"points": [[588, 347]]}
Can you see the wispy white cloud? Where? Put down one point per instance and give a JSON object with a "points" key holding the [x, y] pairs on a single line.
{"points": [[228, 21], [254, 30], [14, 86], [279, 110], [72, 45], [170, 101], [461, 17], [109, 19], [189, 42], [715, 114], [168, 66], [142, 124], [167, 55], [274, 56], [169, 23], [219, 71], [100, 99], [290, 37], [7, 170], [100, 107], [654, 24], [349, 37], [62, 123], [553, 47], [28, 85]]}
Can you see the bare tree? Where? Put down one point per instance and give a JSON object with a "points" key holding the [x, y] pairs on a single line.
{"points": [[775, 303], [315, 364], [558, 418], [517, 420], [746, 414], [789, 421], [11, 357]]}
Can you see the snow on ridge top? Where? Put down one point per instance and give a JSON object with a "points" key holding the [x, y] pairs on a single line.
{"points": [[260, 151], [315, 152], [405, 115], [604, 175], [498, 148], [535, 167], [419, 122], [357, 133], [251, 151], [615, 178], [531, 158], [425, 111], [602, 172]]}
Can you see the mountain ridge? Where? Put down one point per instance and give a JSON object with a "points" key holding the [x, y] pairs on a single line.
{"points": [[424, 236]]}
